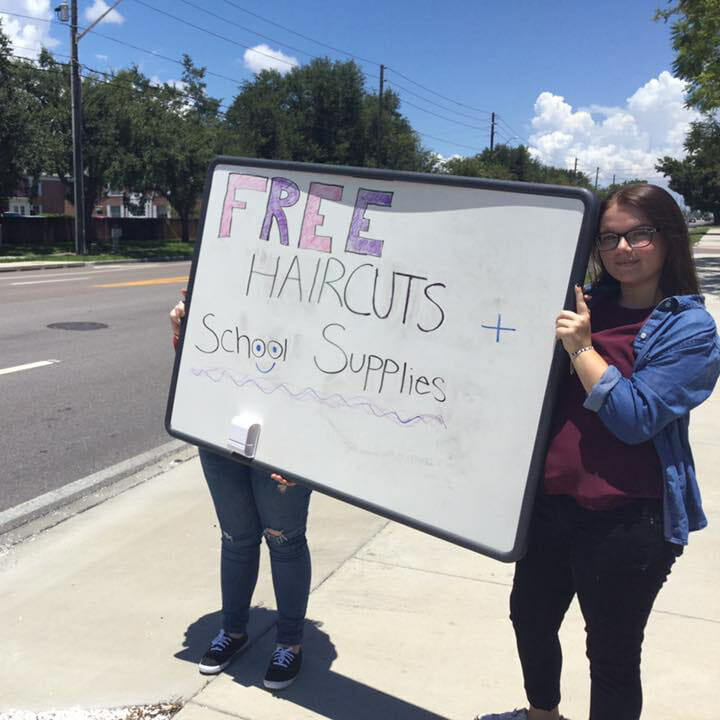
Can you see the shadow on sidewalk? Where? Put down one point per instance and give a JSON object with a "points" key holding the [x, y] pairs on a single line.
{"points": [[708, 269], [318, 688]]}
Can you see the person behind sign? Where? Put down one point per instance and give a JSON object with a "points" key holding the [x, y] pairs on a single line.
{"points": [[251, 504], [619, 493]]}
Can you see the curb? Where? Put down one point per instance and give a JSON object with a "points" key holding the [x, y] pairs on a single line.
{"points": [[52, 508], [49, 265]]}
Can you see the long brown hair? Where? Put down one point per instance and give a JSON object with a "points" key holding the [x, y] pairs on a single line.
{"points": [[678, 275]]}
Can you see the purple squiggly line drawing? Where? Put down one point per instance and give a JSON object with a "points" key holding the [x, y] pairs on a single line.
{"points": [[333, 401]]}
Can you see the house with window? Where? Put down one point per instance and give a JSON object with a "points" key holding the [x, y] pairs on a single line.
{"points": [[118, 204], [51, 200]]}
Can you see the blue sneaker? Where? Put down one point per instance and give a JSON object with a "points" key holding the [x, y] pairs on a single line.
{"points": [[283, 669], [221, 652]]}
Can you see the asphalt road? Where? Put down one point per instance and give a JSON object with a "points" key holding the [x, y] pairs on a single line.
{"points": [[103, 398]]}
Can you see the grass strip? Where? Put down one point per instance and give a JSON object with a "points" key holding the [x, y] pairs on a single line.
{"points": [[23, 253]]}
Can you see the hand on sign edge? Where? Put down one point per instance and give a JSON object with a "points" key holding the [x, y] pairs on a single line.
{"points": [[280, 480], [177, 314], [573, 329]]}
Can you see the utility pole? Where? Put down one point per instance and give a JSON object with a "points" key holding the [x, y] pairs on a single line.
{"points": [[380, 116], [78, 168], [492, 133], [76, 114], [597, 172], [575, 172]]}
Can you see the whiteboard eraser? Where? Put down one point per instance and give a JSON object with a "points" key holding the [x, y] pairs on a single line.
{"points": [[244, 435]]}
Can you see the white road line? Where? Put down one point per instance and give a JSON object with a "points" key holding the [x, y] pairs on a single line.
{"points": [[130, 267], [42, 282], [28, 366], [26, 274]]}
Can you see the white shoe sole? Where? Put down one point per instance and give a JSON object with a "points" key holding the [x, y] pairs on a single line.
{"points": [[278, 684]]}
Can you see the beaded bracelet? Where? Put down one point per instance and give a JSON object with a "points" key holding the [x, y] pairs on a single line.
{"points": [[579, 351]]}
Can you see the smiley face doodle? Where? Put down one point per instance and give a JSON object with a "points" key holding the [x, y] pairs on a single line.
{"points": [[274, 350], [266, 353]]}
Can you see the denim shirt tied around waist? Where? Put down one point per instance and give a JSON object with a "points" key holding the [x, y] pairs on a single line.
{"points": [[677, 362]]}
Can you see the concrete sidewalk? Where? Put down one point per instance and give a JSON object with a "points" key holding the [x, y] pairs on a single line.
{"points": [[710, 242], [114, 606]]}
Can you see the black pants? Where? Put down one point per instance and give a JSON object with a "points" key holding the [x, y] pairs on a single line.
{"points": [[616, 561]]}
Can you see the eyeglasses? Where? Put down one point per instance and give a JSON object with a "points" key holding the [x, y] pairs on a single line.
{"points": [[638, 238]]}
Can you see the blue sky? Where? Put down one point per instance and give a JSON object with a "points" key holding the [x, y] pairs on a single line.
{"points": [[569, 78]]}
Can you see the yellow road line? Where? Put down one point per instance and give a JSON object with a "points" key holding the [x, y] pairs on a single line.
{"points": [[157, 281]]}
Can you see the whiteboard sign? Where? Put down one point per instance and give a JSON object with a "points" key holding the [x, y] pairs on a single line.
{"points": [[387, 338]]}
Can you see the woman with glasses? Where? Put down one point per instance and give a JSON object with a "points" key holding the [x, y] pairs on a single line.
{"points": [[619, 494]]}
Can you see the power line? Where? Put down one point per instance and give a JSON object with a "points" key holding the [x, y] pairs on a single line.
{"points": [[512, 130], [355, 57], [246, 47], [166, 57], [114, 79], [432, 102], [442, 117], [20, 57], [444, 97], [449, 142], [304, 37], [214, 34], [243, 27], [130, 45], [278, 59], [265, 37], [31, 17]]}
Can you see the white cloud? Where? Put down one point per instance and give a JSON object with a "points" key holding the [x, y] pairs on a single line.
{"points": [[28, 37], [621, 141], [177, 84], [98, 8], [102, 57], [439, 161], [262, 57]]}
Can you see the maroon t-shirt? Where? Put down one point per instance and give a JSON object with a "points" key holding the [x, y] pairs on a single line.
{"points": [[585, 460]]}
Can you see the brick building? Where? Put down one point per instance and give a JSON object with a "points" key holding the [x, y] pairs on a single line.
{"points": [[51, 200]]}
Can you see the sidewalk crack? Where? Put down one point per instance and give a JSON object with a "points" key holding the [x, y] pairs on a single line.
{"points": [[437, 572], [352, 555], [218, 710]]}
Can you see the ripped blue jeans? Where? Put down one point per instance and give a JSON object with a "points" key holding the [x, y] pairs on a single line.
{"points": [[250, 506]]}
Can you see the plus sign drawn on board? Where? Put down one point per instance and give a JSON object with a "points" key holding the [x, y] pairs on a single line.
{"points": [[498, 328]]}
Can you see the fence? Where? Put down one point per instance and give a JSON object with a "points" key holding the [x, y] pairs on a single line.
{"points": [[45, 232]]}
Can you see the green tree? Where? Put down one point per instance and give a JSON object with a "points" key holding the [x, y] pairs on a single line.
{"points": [[257, 125], [479, 165], [185, 133], [696, 41], [401, 147], [513, 163], [602, 193], [325, 112], [320, 112], [111, 109], [14, 131], [697, 177], [45, 86]]}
